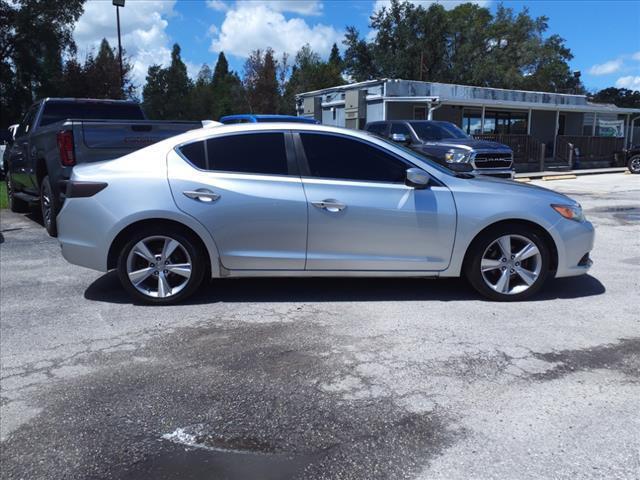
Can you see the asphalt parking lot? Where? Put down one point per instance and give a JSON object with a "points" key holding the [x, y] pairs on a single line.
{"points": [[324, 378]]}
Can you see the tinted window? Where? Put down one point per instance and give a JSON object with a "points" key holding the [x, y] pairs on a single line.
{"points": [[437, 131], [57, 111], [249, 153], [27, 122], [400, 128], [377, 128], [194, 152], [331, 156]]}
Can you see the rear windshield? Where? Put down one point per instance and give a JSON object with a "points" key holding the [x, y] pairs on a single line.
{"points": [[437, 131], [57, 111]]}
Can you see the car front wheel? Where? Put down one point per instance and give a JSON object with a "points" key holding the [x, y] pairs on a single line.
{"points": [[160, 266], [634, 164], [508, 263]]}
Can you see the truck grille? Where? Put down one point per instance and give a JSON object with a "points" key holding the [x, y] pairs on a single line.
{"points": [[493, 160]]}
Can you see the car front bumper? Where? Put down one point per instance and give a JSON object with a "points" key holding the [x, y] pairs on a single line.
{"points": [[574, 248], [495, 172]]}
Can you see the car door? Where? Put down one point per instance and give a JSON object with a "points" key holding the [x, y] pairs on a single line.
{"points": [[20, 154], [362, 216], [246, 190]]}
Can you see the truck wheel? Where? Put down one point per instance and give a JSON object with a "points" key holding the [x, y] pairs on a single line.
{"points": [[15, 204], [634, 164], [508, 263], [50, 206]]}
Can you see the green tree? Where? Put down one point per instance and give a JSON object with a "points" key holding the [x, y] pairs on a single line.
{"points": [[466, 45], [102, 74], [34, 36], [261, 82], [201, 99], [154, 93], [229, 95], [621, 97]]}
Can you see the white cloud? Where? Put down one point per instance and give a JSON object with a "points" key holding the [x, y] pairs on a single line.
{"points": [[447, 4], [606, 68], [636, 56], [217, 5], [631, 82], [257, 24], [143, 27]]}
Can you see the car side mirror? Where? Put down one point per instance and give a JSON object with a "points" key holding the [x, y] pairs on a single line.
{"points": [[417, 178], [399, 137]]}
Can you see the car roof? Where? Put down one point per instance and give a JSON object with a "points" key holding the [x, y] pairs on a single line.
{"points": [[261, 116]]}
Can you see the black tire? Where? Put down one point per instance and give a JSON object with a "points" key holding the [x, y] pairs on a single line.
{"points": [[634, 164], [49, 206], [15, 204], [192, 247], [481, 247]]}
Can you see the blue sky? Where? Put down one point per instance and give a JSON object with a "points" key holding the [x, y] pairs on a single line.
{"points": [[604, 36]]}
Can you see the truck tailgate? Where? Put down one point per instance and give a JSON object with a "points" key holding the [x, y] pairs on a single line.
{"points": [[120, 138]]}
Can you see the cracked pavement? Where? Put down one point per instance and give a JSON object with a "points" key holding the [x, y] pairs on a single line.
{"points": [[324, 378]]}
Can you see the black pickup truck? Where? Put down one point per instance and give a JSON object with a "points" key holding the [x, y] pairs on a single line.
{"points": [[445, 143], [58, 133]]}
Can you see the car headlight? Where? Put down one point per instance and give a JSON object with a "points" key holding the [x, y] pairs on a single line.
{"points": [[456, 157], [570, 212]]}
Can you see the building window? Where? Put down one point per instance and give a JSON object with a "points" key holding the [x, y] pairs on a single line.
{"points": [[495, 122]]}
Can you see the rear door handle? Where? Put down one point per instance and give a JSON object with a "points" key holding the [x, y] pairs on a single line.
{"points": [[202, 195], [329, 205]]}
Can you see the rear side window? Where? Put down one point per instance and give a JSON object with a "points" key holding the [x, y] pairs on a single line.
{"points": [[262, 153], [57, 111], [331, 156], [194, 152]]}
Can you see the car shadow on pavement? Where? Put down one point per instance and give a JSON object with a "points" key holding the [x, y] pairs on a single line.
{"points": [[107, 288]]}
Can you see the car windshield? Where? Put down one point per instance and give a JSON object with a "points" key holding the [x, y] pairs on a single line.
{"points": [[437, 131], [420, 156]]}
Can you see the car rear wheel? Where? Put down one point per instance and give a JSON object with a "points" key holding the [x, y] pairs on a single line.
{"points": [[634, 164], [161, 266], [49, 206], [508, 263], [15, 204]]}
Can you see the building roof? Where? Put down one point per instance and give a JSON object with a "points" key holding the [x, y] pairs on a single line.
{"points": [[398, 90]]}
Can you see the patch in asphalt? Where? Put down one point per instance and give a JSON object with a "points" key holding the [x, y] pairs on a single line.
{"points": [[254, 389], [624, 213], [623, 356]]}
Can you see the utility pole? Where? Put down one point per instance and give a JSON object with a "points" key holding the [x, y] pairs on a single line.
{"points": [[118, 4]]}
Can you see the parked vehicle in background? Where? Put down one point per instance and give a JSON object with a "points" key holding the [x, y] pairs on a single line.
{"points": [[6, 139], [311, 200], [633, 159], [58, 133], [448, 145], [259, 118]]}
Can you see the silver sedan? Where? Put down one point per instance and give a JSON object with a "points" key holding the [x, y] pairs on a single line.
{"points": [[308, 200]]}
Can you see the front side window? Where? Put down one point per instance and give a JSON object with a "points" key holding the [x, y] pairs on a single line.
{"points": [[377, 128], [332, 156], [27, 122], [400, 128]]}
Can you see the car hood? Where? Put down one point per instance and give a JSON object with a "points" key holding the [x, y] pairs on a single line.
{"points": [[471, 144], [511, 187]]}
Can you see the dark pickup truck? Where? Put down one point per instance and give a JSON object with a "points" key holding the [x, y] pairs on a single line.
{"points": [[445, 143], [58, 133]]}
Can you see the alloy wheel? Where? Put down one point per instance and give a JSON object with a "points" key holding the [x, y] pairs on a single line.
{"points": [[159, 266], [511, 264], [634, 165], [46, 204]]}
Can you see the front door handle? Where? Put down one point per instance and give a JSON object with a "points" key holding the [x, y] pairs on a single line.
{"points": [[202, 195], [329, 205]]}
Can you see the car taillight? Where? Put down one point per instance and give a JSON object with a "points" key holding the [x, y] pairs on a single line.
{"points": [[65, 147]]}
